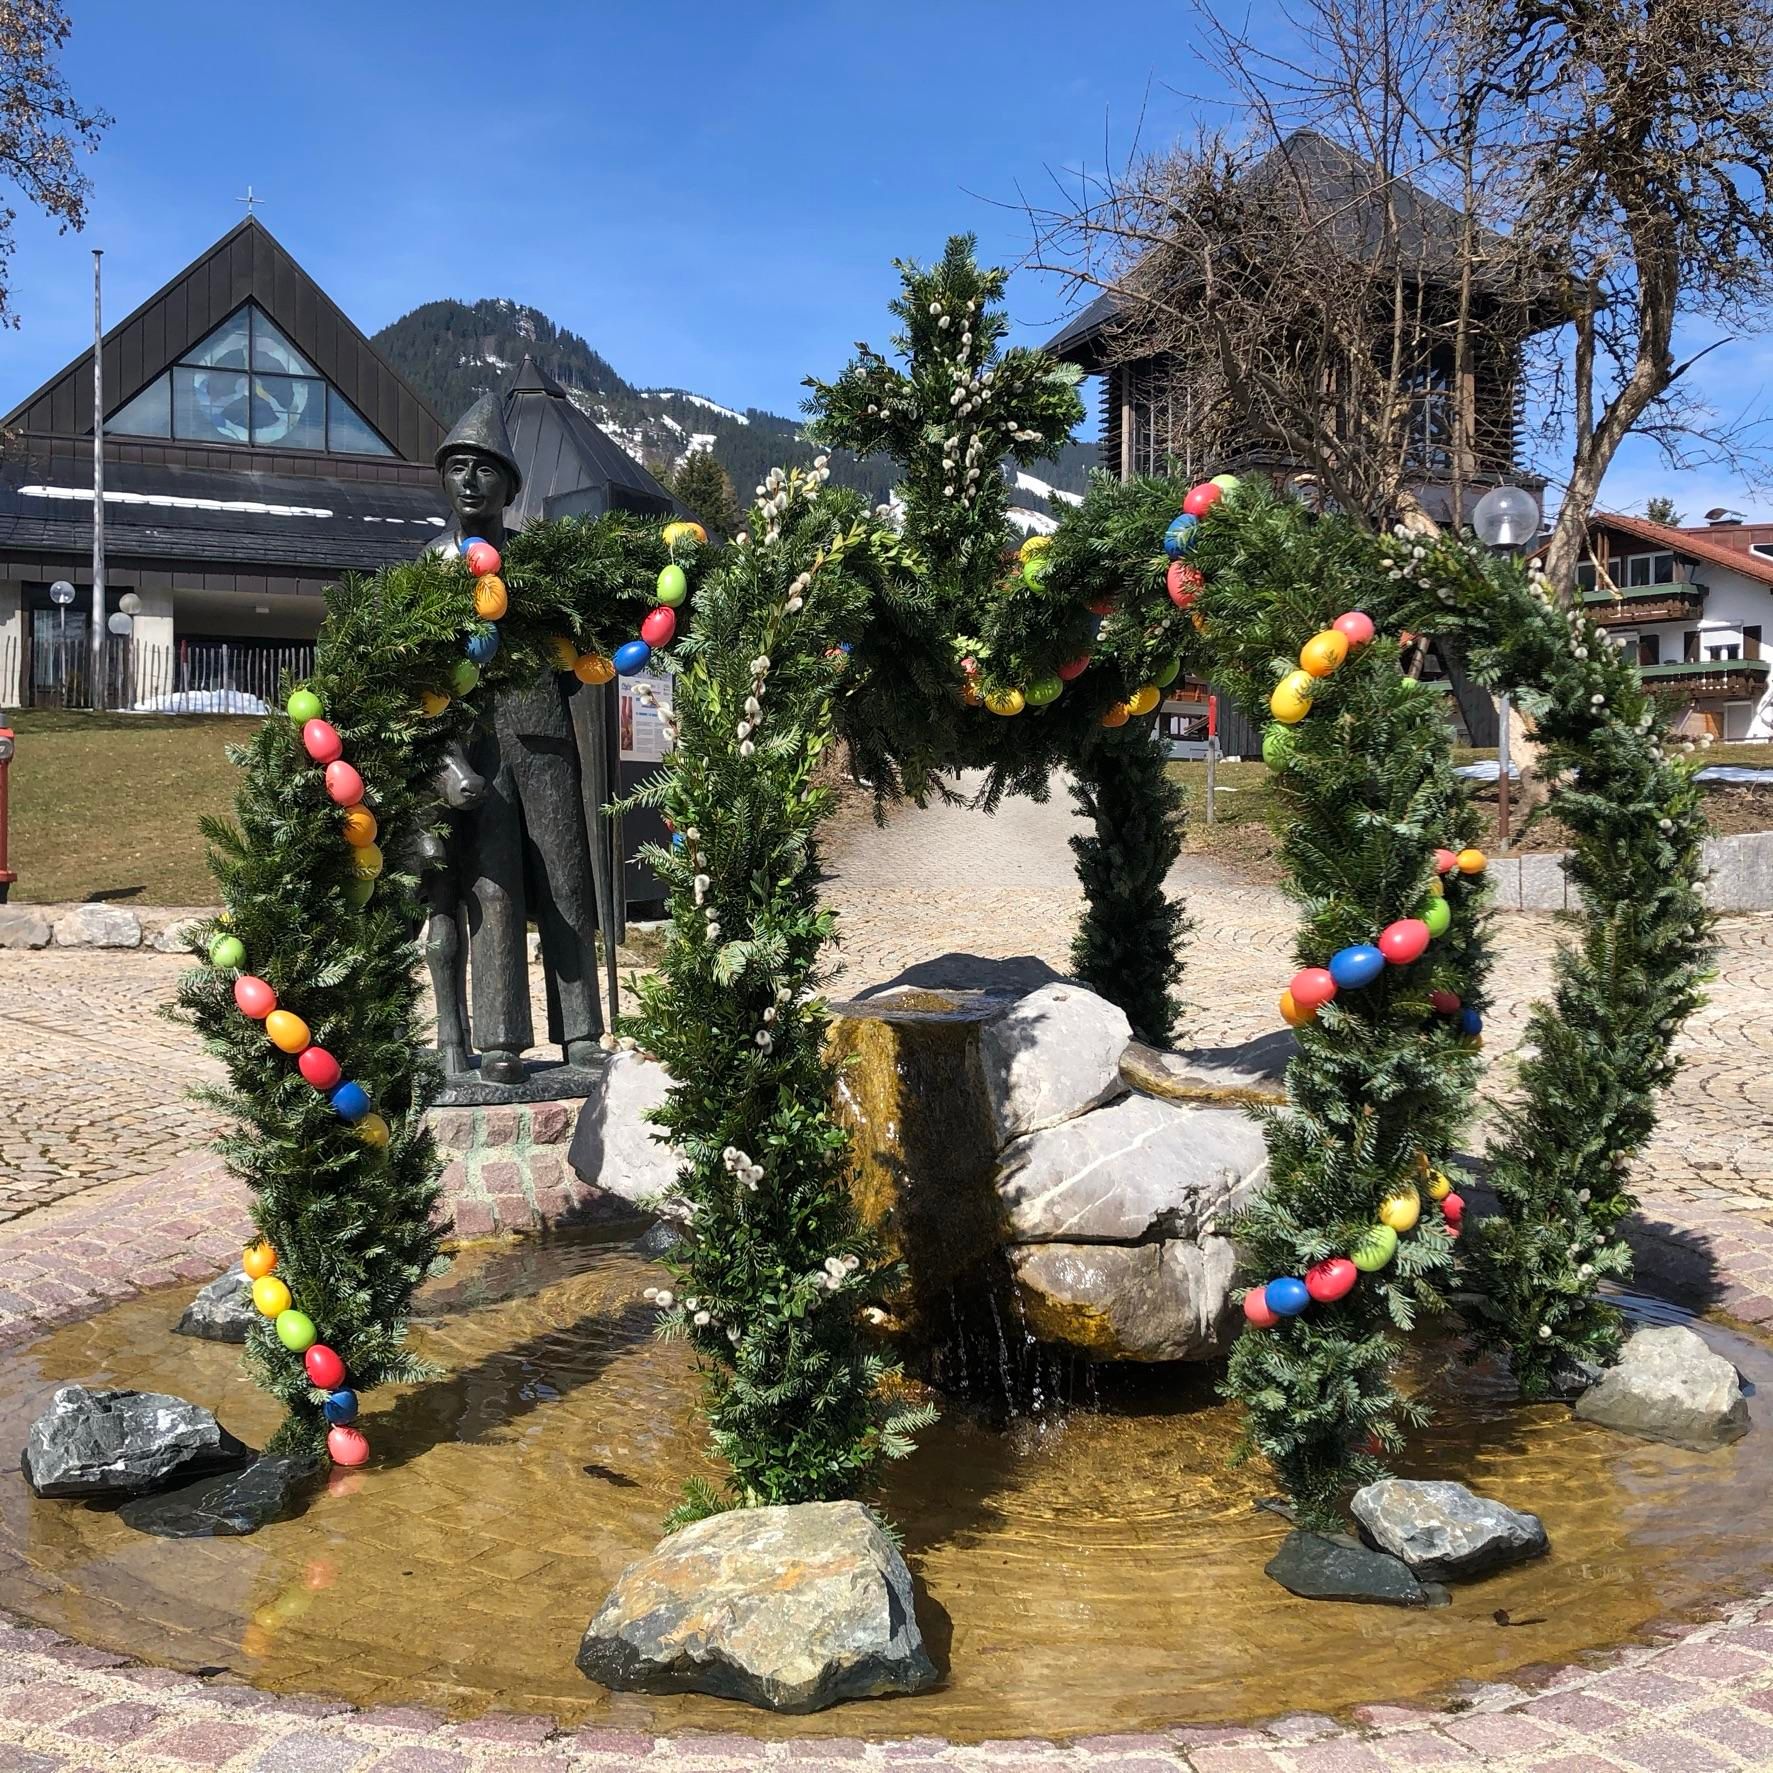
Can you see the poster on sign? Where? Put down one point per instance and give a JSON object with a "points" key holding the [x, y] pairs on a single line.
{"points": [[640, 732]]}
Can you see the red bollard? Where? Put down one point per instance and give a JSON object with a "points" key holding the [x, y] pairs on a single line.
{"points": [[7, 876]]}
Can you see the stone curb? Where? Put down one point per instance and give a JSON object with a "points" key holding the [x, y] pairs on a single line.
{"points": [[1738, 877]]}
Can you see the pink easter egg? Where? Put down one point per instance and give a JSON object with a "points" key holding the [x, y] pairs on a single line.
{"points": [[1404, 941], [1312, 987], [1256, 1312], [343, 784], [347, 1446], [321, 741], [1356, 627], [482, 558], [253, 997]]}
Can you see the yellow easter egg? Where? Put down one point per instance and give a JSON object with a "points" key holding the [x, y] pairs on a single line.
{"points": [[1291, 700], [359, 826], [1437, 888], [1401, 1210], [673, 533], [593, 668], [372, 1130], [1322, 653], [490, 599], [1144, 699], [562, 651], [1438, 1186], [433, 702], [288, 1033], [1472, 861], [366, 861], [1292, 1014], [1032, 546], [269, 1296], [1117, 714], [1006, 701]]}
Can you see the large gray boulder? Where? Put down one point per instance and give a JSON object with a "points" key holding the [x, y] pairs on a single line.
{"points": [[21, 927], [1136, 1170], [1668, 1386], [229, 1504], [98, 926], [175, 937], [1051, 1056], [616, 1148], [123, 1443], [1443, 1531], [1163, 1301], [791, 1609], [223, 1311]]}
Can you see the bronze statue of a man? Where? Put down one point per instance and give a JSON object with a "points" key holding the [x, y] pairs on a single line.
{"points": [[526, 851]]}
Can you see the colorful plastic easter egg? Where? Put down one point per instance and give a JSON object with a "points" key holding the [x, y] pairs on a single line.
{"points": [[1180, 536], [1032, 546], [1312, 987], [350, 1101], [1227, 482], [359, 890], [1035, 572], [321, 741], [269, 1296], [344, 787], [1445, 861], [1322, 653], [1331, 1279], [346, 1446], [253, 997], [366, 861], [1201, 499], [1439, 1187], [490, 598], [324, 1367], [341, 1407], [1404, 941], [1438, 915], [632, 656], [1168, 674], [1116, 714], [1005, 701], [295, 1330], [228, 952], [672, 586], [1444, 1003], [659, 626], [682, 531], [483, 646], [319, 1067], [1103, 605], [288, 1033], [358, 826], [1471, 861], [1401, 1210], [562, 653], [1354, 967], [1453, 1209], [1277, 747], [464, 677], [1356, 627], [1144, 699], [1436, 888], [1291, 699], [303, 705], [373, 1130], [1182, 581], [432, 703], [482, 557], [1073, 669], [593, 668], [1256, 1312], [1044, 690], [1471, 1023], [1376, 1247], [1286, 1297], [258, 1260], [1292, 1014]]}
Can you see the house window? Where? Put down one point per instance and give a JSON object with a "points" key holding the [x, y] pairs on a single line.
{"points": [[1585, 575], [1644, 569], [1751, 640], [247, 384], [1725, 653], [1690, 647], [1649, 649], [1764, 549]]}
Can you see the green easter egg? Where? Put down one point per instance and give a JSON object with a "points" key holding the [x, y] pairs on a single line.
{"points": [[1227, 482], [1374, 1250], [672, 587], [295, 1330], [1438, 915], [1035, 570], [1168, 674], [464, 677], [303, 706], [227, 951], [1277, 747], [360, 889], [1044, 690]]}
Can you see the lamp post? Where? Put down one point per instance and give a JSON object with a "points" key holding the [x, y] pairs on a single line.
{"points": [[1506, 521]]}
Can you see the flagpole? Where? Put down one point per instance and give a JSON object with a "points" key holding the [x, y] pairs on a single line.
{"points": [[98, 487]]}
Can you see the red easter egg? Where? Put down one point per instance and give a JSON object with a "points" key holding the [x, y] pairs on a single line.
{"points": [[319, 1067], [1201, 499], [1312, 987], [1453, 1209], [1445, 861], [321, 741], [482, 558], [1444, 1003], [1256, 1311], [324, 1368], [253, 997], [1331, 1280], [347, 1446], [1074, 668], [343, 783], [1404, 941], [1356, 627], [1100, 606], [660, 625], [1183, 581]]}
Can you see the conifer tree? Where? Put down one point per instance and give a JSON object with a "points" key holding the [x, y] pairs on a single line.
{"points": [[706, 487]]}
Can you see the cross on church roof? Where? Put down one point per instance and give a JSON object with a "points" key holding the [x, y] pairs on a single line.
{"points": [[249, 200]]}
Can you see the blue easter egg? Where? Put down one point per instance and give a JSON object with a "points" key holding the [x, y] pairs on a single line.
{"points": [[483, 645], [1286, 1297], [340, 1407], [1470, 1022], [632, 656], [1354, 967], [468, 542], [677, 840], [350, 1101], [1180, 538]]}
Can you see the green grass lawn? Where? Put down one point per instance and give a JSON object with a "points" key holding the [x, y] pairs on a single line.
{"points": [[105, 806]]}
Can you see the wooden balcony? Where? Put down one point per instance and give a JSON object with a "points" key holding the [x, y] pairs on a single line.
{"points": [[1731, 680], [1645, 603]]}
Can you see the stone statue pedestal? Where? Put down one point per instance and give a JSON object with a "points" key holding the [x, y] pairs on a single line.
{"points": [[545, 1080]]}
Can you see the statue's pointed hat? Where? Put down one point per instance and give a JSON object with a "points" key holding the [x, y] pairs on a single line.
{"points": [[482, 427]]}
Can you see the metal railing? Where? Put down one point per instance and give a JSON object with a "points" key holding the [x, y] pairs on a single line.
{"points": [[190, 676]]}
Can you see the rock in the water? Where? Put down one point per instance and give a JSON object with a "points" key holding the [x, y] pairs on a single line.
{"points": [[1668, 1386], [1051, 1056], [1253, 1072], [792, 1609], [1135, 1170], [175, 938], [230, 1504], [95, 1444], [222, 1311], [21, 927], [1443, 1531], [617, 1149], [98, 926], [659, 1240], [1167, 1301], [1333, 1567]]}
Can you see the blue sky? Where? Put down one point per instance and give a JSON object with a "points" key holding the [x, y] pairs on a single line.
{"points": [[712, 194]]}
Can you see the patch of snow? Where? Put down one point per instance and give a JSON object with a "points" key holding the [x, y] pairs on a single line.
{"points": [[1031, 523], [493, 361], [694, 400], [666, 419], [223, 701], [173, 501], [1028, 483], [700, 443], [526, 324]]}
